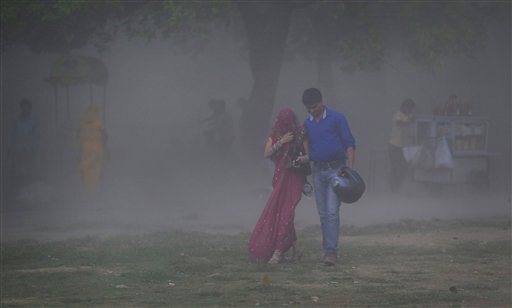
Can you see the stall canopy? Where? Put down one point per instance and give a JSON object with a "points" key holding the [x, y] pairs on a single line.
{"points": [[73, 70]]}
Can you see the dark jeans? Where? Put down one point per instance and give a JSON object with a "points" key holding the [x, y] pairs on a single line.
{"points": [[398, 166]]}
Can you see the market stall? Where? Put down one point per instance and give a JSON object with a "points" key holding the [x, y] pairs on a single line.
{"points": [[452, 149]]}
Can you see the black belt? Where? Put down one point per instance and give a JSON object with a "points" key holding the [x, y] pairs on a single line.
{"points": [[335, 164]]}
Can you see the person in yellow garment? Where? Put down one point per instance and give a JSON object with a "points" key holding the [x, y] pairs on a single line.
{"points": [[92, 143]]}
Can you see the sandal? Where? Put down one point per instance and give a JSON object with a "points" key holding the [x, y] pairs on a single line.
{"points": [[276, 257], [297, 253]]}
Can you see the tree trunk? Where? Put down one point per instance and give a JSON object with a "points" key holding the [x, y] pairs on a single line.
{"points": [[325, 34], [324, 64], [266, 25]]}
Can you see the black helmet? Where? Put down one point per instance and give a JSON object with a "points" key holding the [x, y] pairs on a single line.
{"points": [[348, 185]]}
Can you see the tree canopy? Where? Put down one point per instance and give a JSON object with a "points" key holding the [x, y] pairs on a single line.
{"points": [[349, 35]]}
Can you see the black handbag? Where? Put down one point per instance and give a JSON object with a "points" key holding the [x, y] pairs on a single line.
{"points": [[303, 169]]}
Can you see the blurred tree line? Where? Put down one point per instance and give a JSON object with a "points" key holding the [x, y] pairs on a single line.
{"points": [[346, 35]]}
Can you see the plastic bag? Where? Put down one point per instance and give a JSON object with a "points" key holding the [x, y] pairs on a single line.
{"points": [[443, 156], [412, 154], [426, 156]]}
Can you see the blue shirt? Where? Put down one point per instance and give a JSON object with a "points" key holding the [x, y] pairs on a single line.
{"points": [[330, 137], [23, 136]]}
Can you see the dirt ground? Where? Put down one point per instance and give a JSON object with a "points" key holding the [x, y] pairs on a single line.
{"points": [[229, 213], [409, 249], [437, 263]]}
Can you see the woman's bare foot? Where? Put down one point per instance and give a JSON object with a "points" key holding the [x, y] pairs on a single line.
{"points": [[276, 257]]}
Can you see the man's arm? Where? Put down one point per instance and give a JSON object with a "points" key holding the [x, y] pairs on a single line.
{"points": [[350, 153], [405, 119], [348, 141]]}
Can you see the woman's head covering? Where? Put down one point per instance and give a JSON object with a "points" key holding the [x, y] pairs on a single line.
{"points": [[91, 115], [91, 122], [286, 121]]}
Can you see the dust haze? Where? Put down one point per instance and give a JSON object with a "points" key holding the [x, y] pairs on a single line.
{"points": [[160, 174]]}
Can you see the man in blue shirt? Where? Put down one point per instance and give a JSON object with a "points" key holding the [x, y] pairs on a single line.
{"points": [[331, 145]]}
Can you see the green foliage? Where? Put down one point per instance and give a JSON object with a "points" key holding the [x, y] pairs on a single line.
{"points": [[61, 25], [429, 32], [55, 25], [440, 30], [184, 15], [18, 14], [341, 32], [349, 31], [361, 45]]}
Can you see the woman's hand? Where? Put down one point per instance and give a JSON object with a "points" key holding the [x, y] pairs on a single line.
{"points": [[286, 138]]}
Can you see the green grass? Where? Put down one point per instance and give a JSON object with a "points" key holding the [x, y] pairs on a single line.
{"points": [[408, 264]]}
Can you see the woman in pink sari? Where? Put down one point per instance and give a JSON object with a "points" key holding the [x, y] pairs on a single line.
{"points": [[274, 233]]}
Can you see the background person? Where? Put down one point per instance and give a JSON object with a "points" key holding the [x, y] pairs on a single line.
{"points": [[219, 131], [23, 148], [331, 145], [92, 144], [397, 163], [274, 233]]}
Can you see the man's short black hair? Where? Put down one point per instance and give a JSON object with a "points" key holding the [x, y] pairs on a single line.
{"points": [[25, 102], [407, 106], [311, 96]]}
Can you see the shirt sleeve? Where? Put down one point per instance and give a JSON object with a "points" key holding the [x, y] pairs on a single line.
{"points": [[347, 138], [401, 118]]}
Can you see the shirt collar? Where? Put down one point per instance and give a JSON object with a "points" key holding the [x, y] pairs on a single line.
{"points": [[323, 116]]}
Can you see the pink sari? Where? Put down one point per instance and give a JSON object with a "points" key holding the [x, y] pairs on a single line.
{"points": [[275, 229]]}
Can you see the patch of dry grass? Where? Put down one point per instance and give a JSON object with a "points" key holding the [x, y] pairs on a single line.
{"points": [[411, 264]]}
